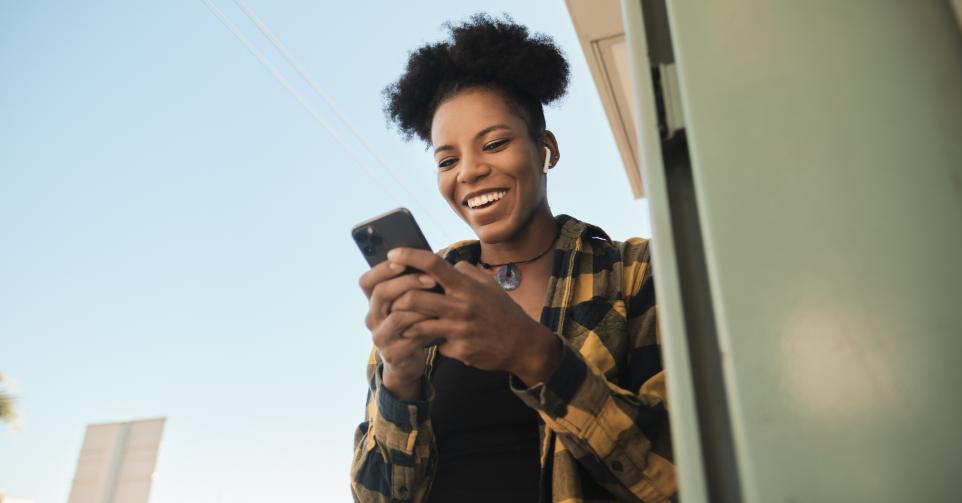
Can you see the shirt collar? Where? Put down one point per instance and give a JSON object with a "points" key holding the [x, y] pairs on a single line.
{"points": [[572, 231]]}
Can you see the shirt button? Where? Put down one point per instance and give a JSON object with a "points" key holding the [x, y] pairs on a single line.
{"points": [[616, 466]]}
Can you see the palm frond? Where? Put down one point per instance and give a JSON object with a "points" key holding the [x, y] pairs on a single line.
{"points": [[7, 414], [6, 408]]}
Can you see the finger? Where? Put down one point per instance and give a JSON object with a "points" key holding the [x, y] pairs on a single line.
{"points": [[387, 291], [392, 327], [429, 263], [424, 302], [380, 272], [431, 328], [424, 338], [472, 271], [413, 340], [456, 350]]}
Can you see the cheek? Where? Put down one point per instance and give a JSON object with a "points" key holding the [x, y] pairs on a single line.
{"points": [[446, 187], [532, 183]]}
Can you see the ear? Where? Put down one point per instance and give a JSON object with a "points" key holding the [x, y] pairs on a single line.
{"points": [[551, 152]]}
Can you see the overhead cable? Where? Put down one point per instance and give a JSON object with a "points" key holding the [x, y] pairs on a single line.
{"points": [[307, 106]]}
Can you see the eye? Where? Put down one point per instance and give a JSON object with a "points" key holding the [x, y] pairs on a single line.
{"points": [[446, 163], [496, 144]]}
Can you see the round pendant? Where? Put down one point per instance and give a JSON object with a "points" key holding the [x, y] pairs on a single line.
{"points": [[509, 277]]}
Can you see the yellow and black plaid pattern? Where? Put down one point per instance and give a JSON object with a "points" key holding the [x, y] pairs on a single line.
{"points": [[605, 435]]}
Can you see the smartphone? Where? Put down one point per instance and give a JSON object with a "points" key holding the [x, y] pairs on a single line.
{"points": [[377, 236], [396, 228]]}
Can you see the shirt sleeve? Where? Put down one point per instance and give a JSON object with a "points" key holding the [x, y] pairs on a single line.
{"points": [[394, 447], [615, 426]]}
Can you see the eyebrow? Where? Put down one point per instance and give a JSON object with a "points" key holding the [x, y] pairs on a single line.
{"points": [[479, 135]]}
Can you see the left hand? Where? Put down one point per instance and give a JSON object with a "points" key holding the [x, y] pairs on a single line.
{"points": [[483, 326]]}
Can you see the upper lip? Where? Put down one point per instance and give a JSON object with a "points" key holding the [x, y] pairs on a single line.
{"points": [[479, 192]]}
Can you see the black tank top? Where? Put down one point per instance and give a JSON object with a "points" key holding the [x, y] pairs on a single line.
{"points": [[487, 438]]}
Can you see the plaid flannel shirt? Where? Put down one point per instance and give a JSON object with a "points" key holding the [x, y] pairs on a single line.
{"points": [[604, 426]]}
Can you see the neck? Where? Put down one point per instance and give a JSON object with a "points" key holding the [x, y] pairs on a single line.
{"points": [[537, 234]]}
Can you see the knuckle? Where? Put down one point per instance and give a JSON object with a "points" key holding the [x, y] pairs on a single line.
{"points": [[456, 351], [400, 304], [411, 281], [378, 294], [433, 262], [390, 322], [412, 318], [377, 338], [410, 298], [399, 321], [387, 355]]}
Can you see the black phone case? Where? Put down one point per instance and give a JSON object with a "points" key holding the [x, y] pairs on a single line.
{"points": [[377, 236]]}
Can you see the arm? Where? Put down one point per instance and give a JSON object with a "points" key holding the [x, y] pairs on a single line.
{"points": [[618, 431], [394, 447]]}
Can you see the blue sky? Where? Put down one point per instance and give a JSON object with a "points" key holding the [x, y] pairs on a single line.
{"points": [[174, 230]]}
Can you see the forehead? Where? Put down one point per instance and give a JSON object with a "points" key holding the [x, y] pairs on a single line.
{"points": [[470, 111]]}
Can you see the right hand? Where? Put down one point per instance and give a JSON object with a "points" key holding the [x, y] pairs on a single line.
{"points": [[403, 357]]}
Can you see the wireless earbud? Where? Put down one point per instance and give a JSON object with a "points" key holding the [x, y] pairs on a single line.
{"points": [[547, 160]]}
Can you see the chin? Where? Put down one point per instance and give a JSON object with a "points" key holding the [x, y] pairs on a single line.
{"points": [[495, 232]]}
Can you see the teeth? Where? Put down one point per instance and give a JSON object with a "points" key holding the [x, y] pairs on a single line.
{"points": [[483, 199]]}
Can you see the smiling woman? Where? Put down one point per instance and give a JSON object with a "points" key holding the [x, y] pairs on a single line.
{"points": [[549, 386]]}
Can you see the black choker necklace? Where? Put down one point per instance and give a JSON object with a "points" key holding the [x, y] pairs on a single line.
{"points": [[509, 276]]}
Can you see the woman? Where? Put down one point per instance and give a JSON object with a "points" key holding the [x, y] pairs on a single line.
{"points": [[548, 386]]}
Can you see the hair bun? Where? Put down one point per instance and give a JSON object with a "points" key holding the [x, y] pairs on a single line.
{"points": [[481, 51], [504, 52]]}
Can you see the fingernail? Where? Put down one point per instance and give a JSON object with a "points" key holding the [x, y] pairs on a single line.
{"points": [[395, 267], [392, 254], [426, 280]]}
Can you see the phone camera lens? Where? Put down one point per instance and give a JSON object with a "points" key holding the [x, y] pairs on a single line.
{"points": [[370, 235], [369, 250], [360, 237]]}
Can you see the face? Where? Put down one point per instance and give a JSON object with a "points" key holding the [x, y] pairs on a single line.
{"points": [[489, 167]]}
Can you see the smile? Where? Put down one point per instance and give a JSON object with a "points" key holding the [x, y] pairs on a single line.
{"points": [[484, 200]]}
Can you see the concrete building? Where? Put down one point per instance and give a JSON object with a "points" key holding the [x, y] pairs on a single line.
{"points": [[117, 462]]}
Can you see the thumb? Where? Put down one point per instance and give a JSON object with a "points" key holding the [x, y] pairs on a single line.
{"points": [[473, 271]]}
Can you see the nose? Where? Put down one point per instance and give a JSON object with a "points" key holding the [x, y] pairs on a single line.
{"points": [[472, 169]]}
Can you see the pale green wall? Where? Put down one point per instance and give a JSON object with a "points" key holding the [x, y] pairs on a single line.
{"points": [[826, 143]]}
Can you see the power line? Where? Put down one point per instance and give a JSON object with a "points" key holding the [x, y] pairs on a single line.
{"points": [[330, 102], [291, 60], [307, 106], [287, 85]]}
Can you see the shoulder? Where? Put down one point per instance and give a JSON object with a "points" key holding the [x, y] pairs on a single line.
{"points": [[631, 252], [634, 250], [628, 262], [635, 264]]}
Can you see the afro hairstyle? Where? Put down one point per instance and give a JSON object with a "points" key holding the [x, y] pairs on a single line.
{"points": [[529, 70]]}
